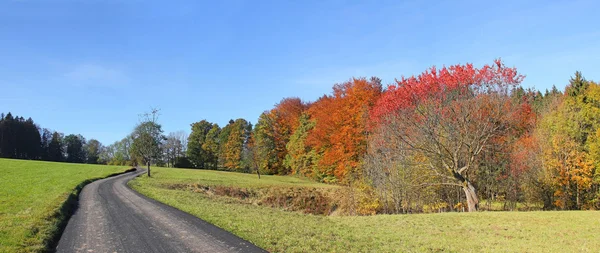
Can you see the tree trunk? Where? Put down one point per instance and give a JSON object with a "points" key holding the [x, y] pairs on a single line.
{"points": [[148, 169], [258, 172], [578, 205], [472, 200]]}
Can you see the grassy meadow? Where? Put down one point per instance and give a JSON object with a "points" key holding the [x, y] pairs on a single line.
{"points": [[277, 230], [31, 196], [225, 178]]}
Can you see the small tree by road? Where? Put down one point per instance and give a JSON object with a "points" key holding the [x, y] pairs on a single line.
{"points": [[147, 138]]}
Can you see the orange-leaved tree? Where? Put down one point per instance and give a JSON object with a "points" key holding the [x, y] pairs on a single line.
{"points": [[339, 133]]}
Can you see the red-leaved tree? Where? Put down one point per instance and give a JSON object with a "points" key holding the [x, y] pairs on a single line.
{"points": [[447, 118]]}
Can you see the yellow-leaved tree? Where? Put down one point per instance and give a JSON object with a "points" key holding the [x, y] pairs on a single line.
{"points": [[572, 146]]}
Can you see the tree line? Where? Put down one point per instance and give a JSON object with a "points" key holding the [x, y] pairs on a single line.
{"points": [[448, 139], [24, 139], [455, 138]]}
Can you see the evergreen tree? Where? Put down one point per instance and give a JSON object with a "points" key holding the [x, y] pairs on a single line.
{"points": [[577, 85], [31, 140], [7, 136], [44, 144], [19, 138], [55, 148]]}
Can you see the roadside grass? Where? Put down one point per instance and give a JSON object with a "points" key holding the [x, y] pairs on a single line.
{"points": [[33, 200], [277, 230]]}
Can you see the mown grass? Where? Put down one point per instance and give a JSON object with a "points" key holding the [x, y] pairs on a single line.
{"points": [[32, 200], [281, 231]]}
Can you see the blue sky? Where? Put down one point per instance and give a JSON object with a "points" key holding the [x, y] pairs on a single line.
{"points": [[90, 67]]}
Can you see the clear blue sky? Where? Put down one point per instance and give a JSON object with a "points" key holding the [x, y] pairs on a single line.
{"points": [[90, 67]]}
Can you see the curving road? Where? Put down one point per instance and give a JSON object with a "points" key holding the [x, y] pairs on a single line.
{"points": [[113, 218]]}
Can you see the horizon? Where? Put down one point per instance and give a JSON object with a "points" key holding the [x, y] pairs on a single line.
{"points": [[91, 68]]}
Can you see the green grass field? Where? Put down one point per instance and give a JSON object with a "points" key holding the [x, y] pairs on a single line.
{"points": [[224, 178], [282, 231], [31, 195]]}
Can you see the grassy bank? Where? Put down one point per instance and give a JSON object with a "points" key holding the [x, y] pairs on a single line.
{"points": [[32, 194], [282, 231]]}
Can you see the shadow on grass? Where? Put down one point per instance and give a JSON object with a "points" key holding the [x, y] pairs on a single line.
{"points": [[66, 210]]}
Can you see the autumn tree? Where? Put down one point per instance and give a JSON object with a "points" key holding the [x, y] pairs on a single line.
{"points": [[239, 133], [500, 170], [222, 140], [571, 146], [212, 146], [285, 119], [340, 131], [569, 170], [272, 133], [265, 151], [300, 157], [445, 119], [402, 179]]}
